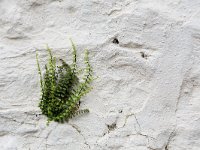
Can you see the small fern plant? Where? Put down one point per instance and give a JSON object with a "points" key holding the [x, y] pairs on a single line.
{"points": [[61, 89]]}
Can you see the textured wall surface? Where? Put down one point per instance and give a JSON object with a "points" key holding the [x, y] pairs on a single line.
{"points": [[147, 96]]}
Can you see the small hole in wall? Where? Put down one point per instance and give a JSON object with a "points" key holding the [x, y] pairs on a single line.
{"points": [[166, 147], [143, 55], [120, 111], [115, 41], [112, 126], [37, 115]]}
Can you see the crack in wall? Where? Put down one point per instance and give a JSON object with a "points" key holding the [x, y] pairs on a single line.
{"points": [[172, 134], [80, 133]]}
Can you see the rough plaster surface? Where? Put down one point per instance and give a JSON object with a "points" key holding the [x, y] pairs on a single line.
{"points": [[147, 96]]}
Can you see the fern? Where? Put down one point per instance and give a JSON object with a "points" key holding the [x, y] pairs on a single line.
{"points": [[61, 89]]}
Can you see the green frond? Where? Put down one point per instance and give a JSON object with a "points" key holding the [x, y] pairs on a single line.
{"points": [[39, 71], [74, 53], [61, 89]]}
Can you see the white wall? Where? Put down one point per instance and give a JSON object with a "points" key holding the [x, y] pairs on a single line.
{"points": [[154, 100]]}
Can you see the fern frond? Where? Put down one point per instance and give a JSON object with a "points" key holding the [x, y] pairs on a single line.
{"points": [[39, 71], [74, 53], [61, 89]]}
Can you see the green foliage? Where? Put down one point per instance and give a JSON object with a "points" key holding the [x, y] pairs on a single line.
{"points": [[61, 89]]}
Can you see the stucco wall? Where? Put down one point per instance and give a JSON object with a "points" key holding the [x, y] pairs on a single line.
{"points": [[147, 96]]}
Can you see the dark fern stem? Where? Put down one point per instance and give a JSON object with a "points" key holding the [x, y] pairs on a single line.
{"points": [[61, 89]]}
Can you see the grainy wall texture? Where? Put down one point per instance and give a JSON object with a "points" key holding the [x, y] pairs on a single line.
{"points": [[147, 96]]}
